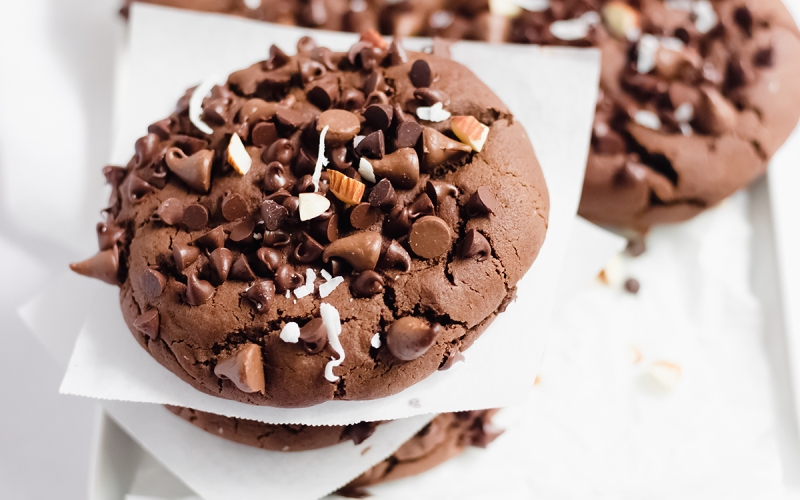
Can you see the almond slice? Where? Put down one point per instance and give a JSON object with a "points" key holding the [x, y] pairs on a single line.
{"points": [[238, 156], [374, 38], [470, 131], [667, 375], [345, 188], [312, 205], [622, 20]]}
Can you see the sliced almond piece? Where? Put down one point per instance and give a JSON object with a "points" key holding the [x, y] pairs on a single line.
{"points": [[470, 131], [238, 156], [622, 20], [345, 188], [312, 205], [375, 39]]}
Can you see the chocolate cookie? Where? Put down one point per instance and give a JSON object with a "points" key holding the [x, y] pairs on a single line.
{"points": [[323, 226], [696, 95]]}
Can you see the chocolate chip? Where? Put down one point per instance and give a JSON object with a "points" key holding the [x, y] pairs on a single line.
{"points": [[170, 211], [420, 74], [261, 294], [314, 336], [274, 215], [764, 58], [482, 202], [221, 260], [398, 222], [137, 188], [114, 175], [408, 134], [291, 118], [160, 128], [153, 283], [429, 97], [307, 44], [277, 58], [439, 190], [194, 170], [474, 245], [636, 247], [367, 284], [324, 55], [271, 258], [312, 70], [104, 266], [409, 338], [241, 271], [372, 146], [305, 185], [184, 255], [245, 368], [242, 230], [379, 116], [395, 257], [198, 291], [263, 134], [421, 206], [352, 99], [326, 228], [108, 235], [374, 82], [744, 18], [437, 148], [212, 240], [341, 159], [276, 239], [308, 250], [147, 323], [430, 237], [342, 125], [324, 93], [376, 97], [234, 207], [610, 143], [383, 195], [360, 250], [397, 54], [632, 286], [363, 216], [400, 167], [195, 217], [275, 177], [286, 278]]}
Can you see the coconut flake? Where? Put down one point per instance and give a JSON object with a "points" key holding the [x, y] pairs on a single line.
{"points": [[196, 103], [252, 4], [684, 113], [326, 275], [435, 113], [705, 16], [648, 46], [291, 333], [441, 19], [358, 5], [357, 140], [307, 288], [333, 324], [321, 160], [684, 5], [376, 340], [533, 5], [671, 43], [574, 29], [365, 169], [329, 286], [647, 119], [686, 129]]}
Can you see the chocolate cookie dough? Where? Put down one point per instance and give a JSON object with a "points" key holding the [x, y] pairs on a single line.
{"points": [[326, 226], [696, 95]]}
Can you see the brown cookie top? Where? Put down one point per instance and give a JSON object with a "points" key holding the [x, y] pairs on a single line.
{"points": [[322, 226]]}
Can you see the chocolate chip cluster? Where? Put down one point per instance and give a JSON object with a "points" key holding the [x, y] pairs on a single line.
{"points": [[348, 182]]}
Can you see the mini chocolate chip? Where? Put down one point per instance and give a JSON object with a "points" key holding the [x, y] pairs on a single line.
{"points": [[276, 239], [286, 278], [420, 74], [304, 185], [324, 55], [114, 175], [170, 211], [306, 44], [312, 70], [308, 250], [383, 195], [184, 255], [198, 291], [261, 294], [398, 222], [314, 336], [277, 58], [137, 188], [160, 128], [108, 235], [367, 284], [104, 266], [374, 82], [397, 54], [439, 190], [340, 158], [395, 257], [372, 146], [430, 237], [241, 271], [146, 148], [213, 239], [147, 323], [304, 164], [263, 134], [221, 260], [632, 286], [244, 367], [400, 167], [352, 99], [429, 97], [275, 177], [234, 207], [324, 93], [360, 250], [326, 228], [408, 134], [475, 245], [282, 151], [379, 116], [636, 247], [359, 433], [194, 170], [342, 125], [363, 216], [744, 18], [195, 217], [242, 230], [482, 202], [291, 118], [421, 206], [153, 283], [274, 215], [610, 143], [271, 258], [764, 58], [376, 97], [409, 338]]}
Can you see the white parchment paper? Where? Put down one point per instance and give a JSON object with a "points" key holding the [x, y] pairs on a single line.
{"points": [[552, 92]]}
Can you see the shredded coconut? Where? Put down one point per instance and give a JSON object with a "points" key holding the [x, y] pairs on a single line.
{"points": [[307, 288], [648, 46], [358, 5], [574, 29], [365, 169], [252, 4], [686, 129], [435, 113], [196, 103], [329, 286], [321, 160], [647, 119], [705, 16], [331, 320], [326, 275], [376, 340], [533, 5], [684, 113], [291, 333]]}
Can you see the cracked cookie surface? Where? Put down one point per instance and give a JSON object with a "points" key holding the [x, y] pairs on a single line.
{"points": [[256, 273]]}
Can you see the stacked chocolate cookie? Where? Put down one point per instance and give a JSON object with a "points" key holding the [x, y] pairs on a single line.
{"points": [[696, 95], [325, 226]]}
